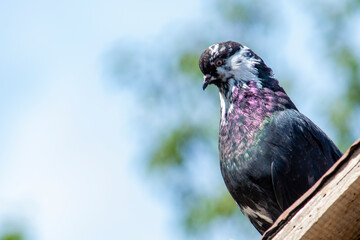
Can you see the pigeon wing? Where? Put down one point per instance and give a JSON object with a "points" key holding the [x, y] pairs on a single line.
{"points": [[301, 153]]}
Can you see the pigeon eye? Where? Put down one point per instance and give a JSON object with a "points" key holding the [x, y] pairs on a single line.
{"points": [[218, 62], [249, 54]]}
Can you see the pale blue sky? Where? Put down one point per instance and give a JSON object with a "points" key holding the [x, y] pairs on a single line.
{"points": [[65, 169], [66, 144]]}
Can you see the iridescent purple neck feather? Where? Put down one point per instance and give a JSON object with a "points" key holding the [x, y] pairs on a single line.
{"points": [[250, 108]]}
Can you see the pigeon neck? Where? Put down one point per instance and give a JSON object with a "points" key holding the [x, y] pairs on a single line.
{"points": [[226, 99], [249, 102]]}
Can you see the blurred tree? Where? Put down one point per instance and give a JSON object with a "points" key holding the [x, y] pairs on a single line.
{"points": [[340, 45], [181, 122], [12, 236]]}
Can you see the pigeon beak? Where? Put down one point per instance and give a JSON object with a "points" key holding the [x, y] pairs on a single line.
{"points": [[207, 80]]}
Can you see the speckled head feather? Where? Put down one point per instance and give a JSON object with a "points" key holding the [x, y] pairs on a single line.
{"points": [[230, 62], [222, 51]]}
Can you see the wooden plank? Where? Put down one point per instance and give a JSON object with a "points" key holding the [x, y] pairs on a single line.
{"points": [[333, 213], [329, 210]]}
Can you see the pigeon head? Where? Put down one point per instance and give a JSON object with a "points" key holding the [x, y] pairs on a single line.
{"points": [[227, 63]]}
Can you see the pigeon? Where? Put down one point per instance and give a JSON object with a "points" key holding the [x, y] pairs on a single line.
{"points": [[270, 153]]}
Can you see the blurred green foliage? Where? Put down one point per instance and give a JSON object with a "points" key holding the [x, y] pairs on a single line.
{"points": [[187, 115], [207, 209], [346, 107], [344, 110], [12, 236], [188, 64], [170, 151]]}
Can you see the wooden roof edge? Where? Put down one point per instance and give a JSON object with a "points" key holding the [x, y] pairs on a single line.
{"points": [[288, 214]]}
